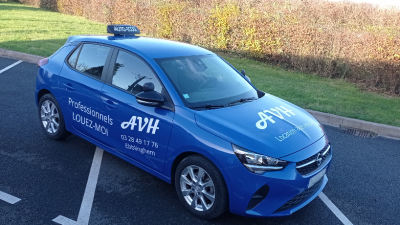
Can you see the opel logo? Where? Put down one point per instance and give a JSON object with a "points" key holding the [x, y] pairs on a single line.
{"points": [[319, 159]]}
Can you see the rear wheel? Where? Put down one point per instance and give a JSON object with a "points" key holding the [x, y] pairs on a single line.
{"points": [[51, 117], [201, 187]]}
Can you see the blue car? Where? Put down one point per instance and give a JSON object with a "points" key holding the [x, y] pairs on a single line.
{"points": [[185, 115]]}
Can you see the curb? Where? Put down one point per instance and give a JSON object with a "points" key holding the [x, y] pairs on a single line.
{"points": [[324, 118], [20, 56], [340, 121]]}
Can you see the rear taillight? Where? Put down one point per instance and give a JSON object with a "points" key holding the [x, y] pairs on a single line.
{"points": [[43, 62]]}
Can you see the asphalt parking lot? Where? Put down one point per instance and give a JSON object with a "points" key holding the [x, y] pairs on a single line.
{"points": [[42, 179]]}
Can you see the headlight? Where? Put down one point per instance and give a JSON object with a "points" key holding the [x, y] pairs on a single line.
{"points": [[257, 163]]}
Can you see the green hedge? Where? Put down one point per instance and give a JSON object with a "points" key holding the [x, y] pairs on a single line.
{"points": [[345, 40]]}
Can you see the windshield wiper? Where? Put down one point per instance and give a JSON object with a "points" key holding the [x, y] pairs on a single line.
{"points": [[208, 107], [242, 100]]}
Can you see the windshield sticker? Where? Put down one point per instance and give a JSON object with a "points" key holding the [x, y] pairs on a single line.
{"points": [[278, 112], [141, 124], [289, 133], [185, 95]]}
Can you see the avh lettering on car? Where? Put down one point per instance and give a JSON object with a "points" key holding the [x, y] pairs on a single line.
{"points": [[141, 124], [262, 124]]}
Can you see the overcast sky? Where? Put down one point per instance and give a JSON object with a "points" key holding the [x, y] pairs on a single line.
{"points": [[377, 2]]}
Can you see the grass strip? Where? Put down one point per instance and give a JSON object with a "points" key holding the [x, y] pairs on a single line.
{"points": [[38, 31], [41, 32], [322, 94]]}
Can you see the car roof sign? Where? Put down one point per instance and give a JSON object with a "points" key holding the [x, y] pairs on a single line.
{"points": [[121, 29]]}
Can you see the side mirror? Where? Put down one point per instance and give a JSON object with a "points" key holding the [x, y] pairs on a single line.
{"points": [[149, 97], [243, 72]]}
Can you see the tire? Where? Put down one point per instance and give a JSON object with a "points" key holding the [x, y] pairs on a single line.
{"points": [[192, 191], [51, 118]]}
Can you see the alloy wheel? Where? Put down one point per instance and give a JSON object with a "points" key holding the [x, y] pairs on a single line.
{"points": [[197, 188], [50, 116]]}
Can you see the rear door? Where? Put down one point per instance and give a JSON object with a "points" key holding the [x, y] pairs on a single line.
{"points": [[139, 132], [80, 81]]}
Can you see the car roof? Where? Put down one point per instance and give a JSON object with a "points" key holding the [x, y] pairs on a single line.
{"points": [[151, 47]]}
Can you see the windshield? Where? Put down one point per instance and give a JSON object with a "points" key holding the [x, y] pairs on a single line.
{"points": [[206, 80]]}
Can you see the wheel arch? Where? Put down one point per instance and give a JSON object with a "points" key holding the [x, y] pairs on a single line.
{"points": [[179, 159], [40, 94], [186, 154]]}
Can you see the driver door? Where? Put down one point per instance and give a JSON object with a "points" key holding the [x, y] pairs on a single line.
{"points": [[138, 131]]}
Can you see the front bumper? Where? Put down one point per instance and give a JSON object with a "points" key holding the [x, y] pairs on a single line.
{"points": [[287, 190]]}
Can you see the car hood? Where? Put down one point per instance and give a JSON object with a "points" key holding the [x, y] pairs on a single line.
{"points": [[270, 126]]}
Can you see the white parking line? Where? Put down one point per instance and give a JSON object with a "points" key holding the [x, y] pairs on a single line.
{"points": [[8, 198], [87, 202], [334, 209], [11, 66]]}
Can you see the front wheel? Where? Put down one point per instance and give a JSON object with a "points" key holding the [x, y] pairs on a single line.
{"points": [[51, 117], [201, 187]]}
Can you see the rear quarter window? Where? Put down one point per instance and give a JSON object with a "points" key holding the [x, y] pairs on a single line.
{"points": [[90, 59], [72, 59]]}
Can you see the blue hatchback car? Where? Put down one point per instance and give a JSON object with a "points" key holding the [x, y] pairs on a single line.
{"points": [[185, 115]]}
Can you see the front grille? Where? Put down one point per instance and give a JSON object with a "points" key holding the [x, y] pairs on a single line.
{"points": [[314, 162], [300, 198]]}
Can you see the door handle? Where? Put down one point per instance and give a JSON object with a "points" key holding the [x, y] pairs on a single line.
{"points": [[69, 87], [109, 104]]}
